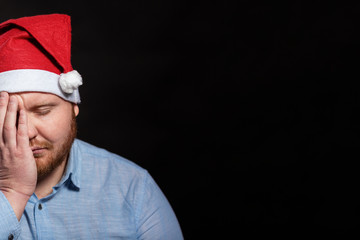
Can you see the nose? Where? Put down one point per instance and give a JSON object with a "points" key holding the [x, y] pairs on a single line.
{"points": [[32, 131]]}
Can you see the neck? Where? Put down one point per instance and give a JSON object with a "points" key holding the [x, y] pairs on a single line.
{"points": [[45, 185]]}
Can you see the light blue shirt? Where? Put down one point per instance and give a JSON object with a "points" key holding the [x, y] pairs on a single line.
{"points": [[101, 196]]}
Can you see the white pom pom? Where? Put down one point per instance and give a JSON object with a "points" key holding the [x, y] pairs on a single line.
{"points": [[70, 81]]}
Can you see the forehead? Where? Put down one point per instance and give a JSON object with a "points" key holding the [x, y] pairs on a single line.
{"points": [[38, 98]]}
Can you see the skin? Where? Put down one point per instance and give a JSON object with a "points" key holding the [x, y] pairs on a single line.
{"points": [[36, 132]]}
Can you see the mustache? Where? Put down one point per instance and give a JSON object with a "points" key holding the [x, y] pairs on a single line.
{"points": [[40, 144]]}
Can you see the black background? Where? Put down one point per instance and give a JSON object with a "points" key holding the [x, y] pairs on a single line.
{"points": [[246, 113]]}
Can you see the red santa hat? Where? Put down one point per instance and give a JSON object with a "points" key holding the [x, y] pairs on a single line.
{"points": [[35, 56]]}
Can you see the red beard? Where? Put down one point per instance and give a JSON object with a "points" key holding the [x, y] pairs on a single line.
{"points": [[46, 163]]}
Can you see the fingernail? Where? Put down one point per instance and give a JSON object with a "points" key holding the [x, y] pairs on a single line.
{"points": [[2, 94]]}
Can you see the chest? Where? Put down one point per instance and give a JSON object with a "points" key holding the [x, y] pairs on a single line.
{"points": [[79, 217]]}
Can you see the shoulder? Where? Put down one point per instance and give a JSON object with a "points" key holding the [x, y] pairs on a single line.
{"points": [[102, 156], [101, 165]]}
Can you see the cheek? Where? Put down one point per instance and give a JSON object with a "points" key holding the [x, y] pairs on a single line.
{"points": [[55, 129]]}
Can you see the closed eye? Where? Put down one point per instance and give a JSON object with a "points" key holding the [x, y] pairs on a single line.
{"points": [[42, 112]]}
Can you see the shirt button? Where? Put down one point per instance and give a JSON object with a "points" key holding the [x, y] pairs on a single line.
{"points": [[11, 237], [40, 207]]}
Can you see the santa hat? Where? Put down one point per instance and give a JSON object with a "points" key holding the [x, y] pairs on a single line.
{"points": [[35, 56]]}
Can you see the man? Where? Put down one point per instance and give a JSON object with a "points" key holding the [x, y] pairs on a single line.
{"points": [[53, 186]]}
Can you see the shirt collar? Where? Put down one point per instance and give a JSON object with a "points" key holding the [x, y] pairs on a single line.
{"points": [[73, 167]]}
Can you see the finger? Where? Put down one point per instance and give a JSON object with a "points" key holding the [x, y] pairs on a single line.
{"points": [[22, 131], [21, 102], [10, 122], [4, 99], [20, 106]]}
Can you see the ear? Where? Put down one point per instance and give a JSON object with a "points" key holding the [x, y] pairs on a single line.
{"points": [[76, 109]]}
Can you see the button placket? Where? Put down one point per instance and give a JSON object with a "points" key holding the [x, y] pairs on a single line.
{"points": [[41, 220]]}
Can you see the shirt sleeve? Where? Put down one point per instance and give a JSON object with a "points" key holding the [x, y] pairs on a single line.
{"points": [[9, 224], [154, 216]]}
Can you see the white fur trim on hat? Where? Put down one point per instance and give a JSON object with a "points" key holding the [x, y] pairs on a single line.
{"points": [[33, 80]]}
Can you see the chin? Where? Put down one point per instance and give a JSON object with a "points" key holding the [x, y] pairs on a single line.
{"points": [[46, 165]]}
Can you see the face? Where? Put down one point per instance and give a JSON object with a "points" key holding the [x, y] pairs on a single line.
{"points": [[51, 129]]}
